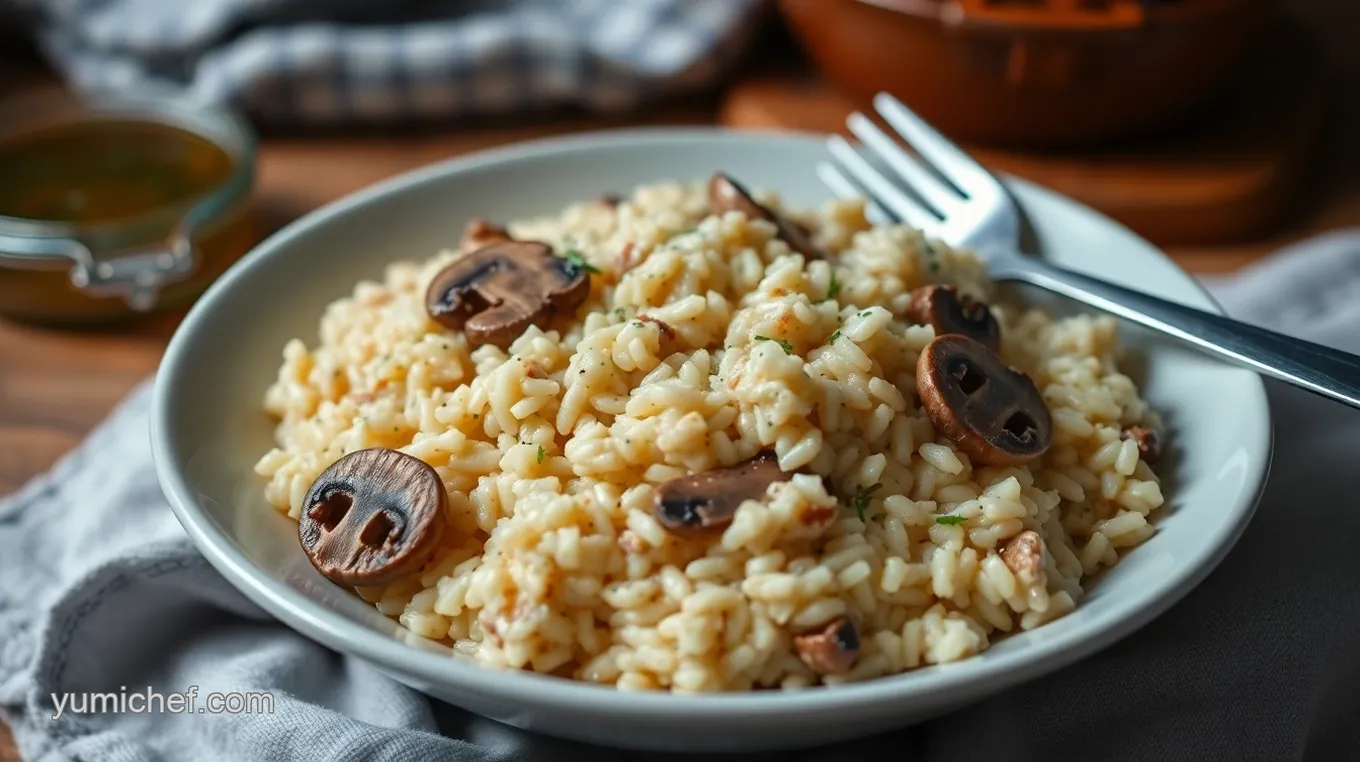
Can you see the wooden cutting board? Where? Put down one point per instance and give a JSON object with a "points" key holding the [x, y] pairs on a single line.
{"points": [[1228, 176]]}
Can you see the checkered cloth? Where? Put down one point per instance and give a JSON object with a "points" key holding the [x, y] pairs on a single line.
{"points": [[342, 61]]}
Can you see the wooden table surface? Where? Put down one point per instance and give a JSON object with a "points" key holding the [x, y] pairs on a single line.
{"points": [[56, 385]]}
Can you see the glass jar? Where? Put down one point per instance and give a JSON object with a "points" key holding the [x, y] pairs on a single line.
{"points": [[115, 206]]}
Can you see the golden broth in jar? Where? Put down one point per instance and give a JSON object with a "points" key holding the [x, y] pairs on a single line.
{"points": [[114, 186], [99, 172]]}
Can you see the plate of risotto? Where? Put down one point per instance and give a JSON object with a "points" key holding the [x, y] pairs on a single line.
{"points": [[631, 435]]}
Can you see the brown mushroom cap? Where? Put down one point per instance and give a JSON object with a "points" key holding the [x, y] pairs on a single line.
{"points": [[497, 291], [944, 309], [992, 413], [832, 650], [705, 502], [372, 517], [728, 195], [1149, 442]]}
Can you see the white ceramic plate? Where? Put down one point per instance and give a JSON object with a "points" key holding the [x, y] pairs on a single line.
{"points": [[207, 432]]}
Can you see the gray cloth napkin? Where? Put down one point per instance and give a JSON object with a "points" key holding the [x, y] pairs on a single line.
{"points": [[99, 588], [344, 61]]}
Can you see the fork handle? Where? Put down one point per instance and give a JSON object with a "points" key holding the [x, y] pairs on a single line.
{"points": [[1322, 370]]}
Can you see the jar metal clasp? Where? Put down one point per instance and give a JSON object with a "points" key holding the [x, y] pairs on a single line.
{"points": [[137, 276]]}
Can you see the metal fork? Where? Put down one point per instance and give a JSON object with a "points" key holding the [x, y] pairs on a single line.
{"points": [[978, 213]]}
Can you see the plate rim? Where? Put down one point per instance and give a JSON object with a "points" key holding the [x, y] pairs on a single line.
{"points": [[964, 680]]}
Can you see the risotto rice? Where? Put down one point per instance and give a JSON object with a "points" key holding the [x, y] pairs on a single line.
{"points": [[704, 341]]}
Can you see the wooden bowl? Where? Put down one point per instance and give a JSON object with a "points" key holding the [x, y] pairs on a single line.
{"points": [[1010, 72]]}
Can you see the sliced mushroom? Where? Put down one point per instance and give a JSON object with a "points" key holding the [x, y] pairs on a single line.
{"points": [[705, 503], [1149, 442], [944, 309], [497, 291], [480, 232], [727, 195], [1023, 554], [833, 650], [372, 517], [992, 413]]}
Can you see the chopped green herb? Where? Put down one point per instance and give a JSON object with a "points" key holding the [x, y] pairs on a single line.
{"points": [[950, 520], [475, 416], [865, 313], [638, 323], [540, 453], [834, 336], [862, 497], [578, 262], [620, 314], [688, 230], [788, 348], [832, 288]]}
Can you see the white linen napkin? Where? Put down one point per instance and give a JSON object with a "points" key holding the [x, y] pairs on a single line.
{"points": [[100, 588]]}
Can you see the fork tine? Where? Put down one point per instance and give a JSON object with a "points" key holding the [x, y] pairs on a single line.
{"points": [[843, 187], [879, 188], [932, 191], [954, 164]]}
